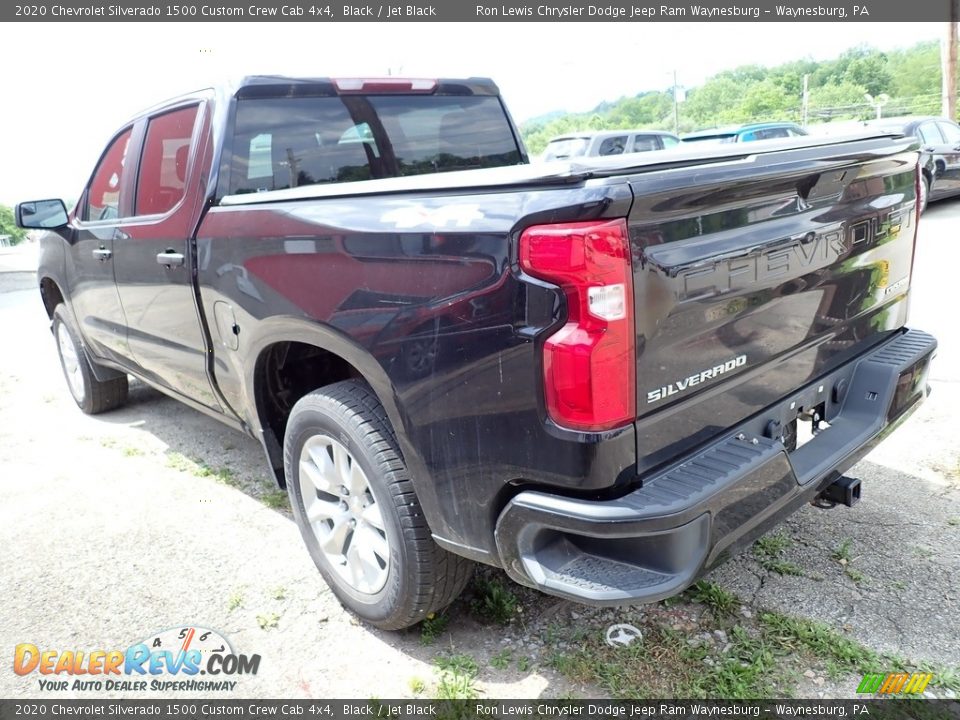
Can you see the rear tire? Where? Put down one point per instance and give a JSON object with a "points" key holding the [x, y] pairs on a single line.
{"points": [[358, 513], [91, 395]]}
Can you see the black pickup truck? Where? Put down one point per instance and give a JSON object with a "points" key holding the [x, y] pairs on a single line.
{"points": [[603, 378]]}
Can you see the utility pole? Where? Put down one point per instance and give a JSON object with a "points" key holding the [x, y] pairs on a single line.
{"points": [[805, 108], [948, 62]]}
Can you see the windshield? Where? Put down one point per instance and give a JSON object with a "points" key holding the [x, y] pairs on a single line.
{"points": [[564, 148]]}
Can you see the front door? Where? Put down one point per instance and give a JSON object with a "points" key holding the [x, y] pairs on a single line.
{"points": [[89, 258], [153, 259]]}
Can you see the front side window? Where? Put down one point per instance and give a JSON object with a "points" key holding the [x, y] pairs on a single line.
{"points": [[644, 143], [103, 198], [292, 142], [163, 164], [565, 148], [669, 141], [951, 133], [930, 135]]}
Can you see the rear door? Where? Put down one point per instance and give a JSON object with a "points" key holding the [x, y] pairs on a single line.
{"points": [[153, 254], [753, 278]]}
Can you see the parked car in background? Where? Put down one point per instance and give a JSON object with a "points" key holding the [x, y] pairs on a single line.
{"points": [[939, 153], [607, 142], [747, 133]]}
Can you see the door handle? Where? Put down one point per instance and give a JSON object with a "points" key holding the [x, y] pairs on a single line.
{"points": [[170, 258], [102, 254]]}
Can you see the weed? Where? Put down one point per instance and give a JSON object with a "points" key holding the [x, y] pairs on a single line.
{"points": [[494, 601], [501, 661], [235, 600], [457, 676], [132, 452], [267, 622], [433, 627], [279, 593], [842, 553], [108, 442], [855, 575], [899, 585], [417, 685], [523, 663], [954, 521], [769, 550], [719, 600]]}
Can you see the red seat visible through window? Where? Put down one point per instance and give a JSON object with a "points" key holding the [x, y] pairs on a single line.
{"points": [[163, 164]]}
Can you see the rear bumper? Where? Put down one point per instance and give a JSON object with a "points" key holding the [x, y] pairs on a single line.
{"points": [[655, 541]]}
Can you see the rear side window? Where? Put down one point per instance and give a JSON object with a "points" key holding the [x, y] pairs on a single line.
{"points": [[163, 164], [103, 199], [292, 142], [613, 145]]}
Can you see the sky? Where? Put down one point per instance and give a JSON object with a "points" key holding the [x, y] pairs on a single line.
{"points": [[69, 86]]}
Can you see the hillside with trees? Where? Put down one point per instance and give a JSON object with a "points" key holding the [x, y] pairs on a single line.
{"points": [[837, 89]]}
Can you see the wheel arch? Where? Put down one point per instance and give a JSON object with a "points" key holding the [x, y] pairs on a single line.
{"points": [[320, 356]]}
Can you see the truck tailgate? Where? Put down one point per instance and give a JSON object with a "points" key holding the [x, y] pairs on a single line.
{"points": [[756, 276]]}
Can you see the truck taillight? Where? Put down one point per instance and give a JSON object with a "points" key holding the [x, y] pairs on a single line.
{"points": [[589, 365]]}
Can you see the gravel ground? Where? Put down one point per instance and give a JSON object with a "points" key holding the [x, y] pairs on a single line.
{"points": [[154, 516]]}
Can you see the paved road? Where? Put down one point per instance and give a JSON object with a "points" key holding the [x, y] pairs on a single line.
{"points": [[109, 532]]}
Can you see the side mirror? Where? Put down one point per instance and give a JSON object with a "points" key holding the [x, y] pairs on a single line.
{"points": [[41, 215]]}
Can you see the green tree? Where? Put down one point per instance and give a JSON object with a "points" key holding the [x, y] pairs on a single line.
{"points": [[9, 227]]}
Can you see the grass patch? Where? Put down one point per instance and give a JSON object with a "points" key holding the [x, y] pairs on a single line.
{"points": [[763, 661], [823, 642], [276, 500], [458, 674], [720, 601], [279, 593], [665, 664], [132, 452], [523, 663], [432, 627], [268, 621], [501, 661], [954, 521], [769, 550], [494, 601], [223, 475]]}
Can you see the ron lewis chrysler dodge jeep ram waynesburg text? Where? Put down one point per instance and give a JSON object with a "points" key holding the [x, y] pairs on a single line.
{"points": [[602, 377]]}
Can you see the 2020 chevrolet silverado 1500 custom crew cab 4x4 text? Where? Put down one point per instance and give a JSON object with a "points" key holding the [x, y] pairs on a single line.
{"points": [[603, 378]]}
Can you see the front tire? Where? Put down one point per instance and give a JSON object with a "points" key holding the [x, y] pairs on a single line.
{"points": [[358, 513], [91, 395]]}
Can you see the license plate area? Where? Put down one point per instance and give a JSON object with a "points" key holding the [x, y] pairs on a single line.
{"points": [[804, 427]]}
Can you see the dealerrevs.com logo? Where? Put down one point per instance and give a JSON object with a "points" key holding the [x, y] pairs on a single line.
{"points": [[170, 660]]}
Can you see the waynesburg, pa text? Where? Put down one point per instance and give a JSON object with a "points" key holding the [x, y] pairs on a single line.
{"points": [[640, 12]]}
